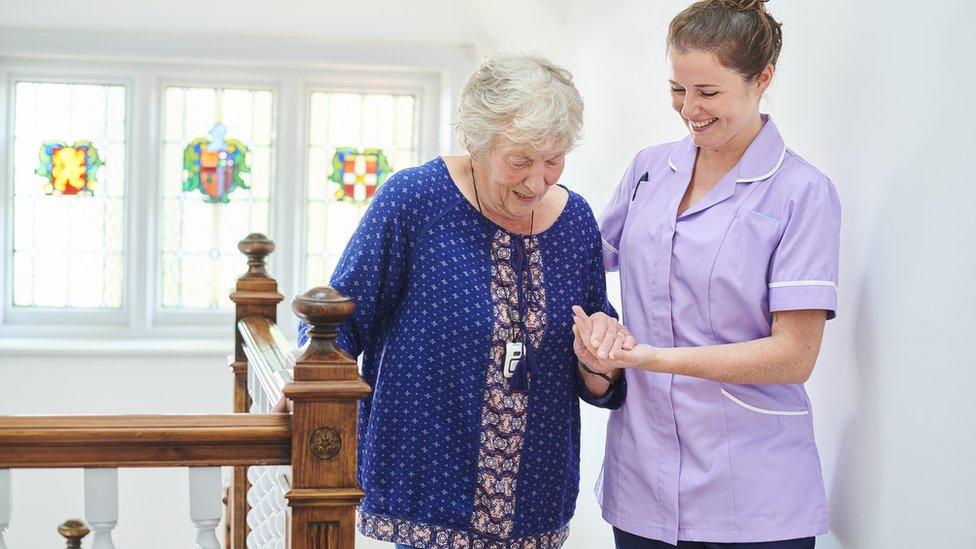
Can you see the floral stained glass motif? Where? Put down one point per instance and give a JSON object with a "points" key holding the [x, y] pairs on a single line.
{"points": [[69, 169], [358, 174], [215, 164]]}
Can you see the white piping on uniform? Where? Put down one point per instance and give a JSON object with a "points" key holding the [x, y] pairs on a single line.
{"points": [[673, 168], [612, 249], [789, 283], [779, 163], [763, 410]]}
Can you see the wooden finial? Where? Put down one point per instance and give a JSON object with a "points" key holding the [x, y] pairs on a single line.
{"points": [[73, 530], [323, 308], [256, 247]]}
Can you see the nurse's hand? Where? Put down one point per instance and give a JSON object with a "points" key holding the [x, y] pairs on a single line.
{"points": [[602, 334], [598, 379], [638, 356], [587, 358]]}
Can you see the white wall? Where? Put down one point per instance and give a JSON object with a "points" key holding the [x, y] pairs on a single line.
{"points": [[874, 93]]}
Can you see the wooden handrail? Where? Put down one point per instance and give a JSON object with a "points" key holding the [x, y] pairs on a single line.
{"points": [[318, 439], [144, 441], [268, 356]]}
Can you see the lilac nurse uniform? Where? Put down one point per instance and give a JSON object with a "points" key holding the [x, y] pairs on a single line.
{"points": [[699, 460]]}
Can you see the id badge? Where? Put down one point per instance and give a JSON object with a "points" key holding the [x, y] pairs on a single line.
{"points": [[513, 354]]}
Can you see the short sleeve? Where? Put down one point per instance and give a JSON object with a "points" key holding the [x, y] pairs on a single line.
{"points": [[613, 217], [804, 266]]}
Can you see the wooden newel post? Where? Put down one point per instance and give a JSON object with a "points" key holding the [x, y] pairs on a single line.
{"points": [[256, 295], [325, 394]]}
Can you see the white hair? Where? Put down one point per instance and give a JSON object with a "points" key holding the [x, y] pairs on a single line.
{"points": [[524, 98]]}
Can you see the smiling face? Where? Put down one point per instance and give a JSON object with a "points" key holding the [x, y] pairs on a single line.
{"points": [[515, 178], [719, 106]]}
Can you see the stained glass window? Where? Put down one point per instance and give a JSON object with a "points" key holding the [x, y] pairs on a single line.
{"points": [[356, 140], [217, 168], [69, 165]]}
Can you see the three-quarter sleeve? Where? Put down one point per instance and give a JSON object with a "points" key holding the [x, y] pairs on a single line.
{"points": [[372, 271], [803, 270], [613, 216], [597, 302]]}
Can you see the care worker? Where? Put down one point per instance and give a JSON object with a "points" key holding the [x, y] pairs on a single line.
{"points": [[727, 247]]}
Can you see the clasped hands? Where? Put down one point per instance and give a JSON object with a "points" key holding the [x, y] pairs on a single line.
{"points": [[604, 345]]}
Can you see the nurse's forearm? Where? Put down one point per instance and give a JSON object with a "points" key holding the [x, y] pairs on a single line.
{"points": [[785, 357]]}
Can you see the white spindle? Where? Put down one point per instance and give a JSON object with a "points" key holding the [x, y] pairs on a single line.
{"points": [[102, 505], [205, 505], [6, 503]]}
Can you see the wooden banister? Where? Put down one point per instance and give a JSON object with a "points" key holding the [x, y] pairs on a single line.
{"points": [[318, 439], [144, 441], [269, 357], [325, 392], [256, 295]]}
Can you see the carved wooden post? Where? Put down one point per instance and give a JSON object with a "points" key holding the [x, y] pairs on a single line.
{"points": [[73, 530], [256, 295], [325, 391]]}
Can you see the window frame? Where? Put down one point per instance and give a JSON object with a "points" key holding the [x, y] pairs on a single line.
{"points": [[202, 318], [68, 316], [146, 66]]}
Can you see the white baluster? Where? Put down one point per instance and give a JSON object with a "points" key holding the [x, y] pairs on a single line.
{"points": [[6, 503], [102, 505], [205, 505]]}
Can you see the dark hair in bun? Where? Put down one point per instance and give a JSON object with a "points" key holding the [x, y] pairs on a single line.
{"points": [[741, 33]]}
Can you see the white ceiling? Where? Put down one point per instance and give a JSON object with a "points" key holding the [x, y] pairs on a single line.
{"points": [[480, 23]]}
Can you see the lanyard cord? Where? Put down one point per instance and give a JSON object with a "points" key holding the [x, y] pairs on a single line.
{"points": [[520, 260]]}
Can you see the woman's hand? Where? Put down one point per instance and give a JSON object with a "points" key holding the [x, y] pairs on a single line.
{"points": [[596, 379], [587, 358], [283, 406], [604, 345]]}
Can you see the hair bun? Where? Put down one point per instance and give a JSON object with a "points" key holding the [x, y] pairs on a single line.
{"points": [[744, 5]]}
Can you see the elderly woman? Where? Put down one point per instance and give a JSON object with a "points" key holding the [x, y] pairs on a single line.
{"points": [[464, 271]]}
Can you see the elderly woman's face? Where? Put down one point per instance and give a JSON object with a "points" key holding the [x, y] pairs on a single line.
{"points": [[520, 176]]}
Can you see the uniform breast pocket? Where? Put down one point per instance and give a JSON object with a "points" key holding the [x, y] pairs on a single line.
{"points": [[756, 238], [738, 286]]}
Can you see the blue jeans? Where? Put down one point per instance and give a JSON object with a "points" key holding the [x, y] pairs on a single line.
{"points": [[401, 546], [626, 540]]}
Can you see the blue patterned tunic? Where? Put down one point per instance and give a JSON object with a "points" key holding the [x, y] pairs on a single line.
{"points": [[450, 456]]}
